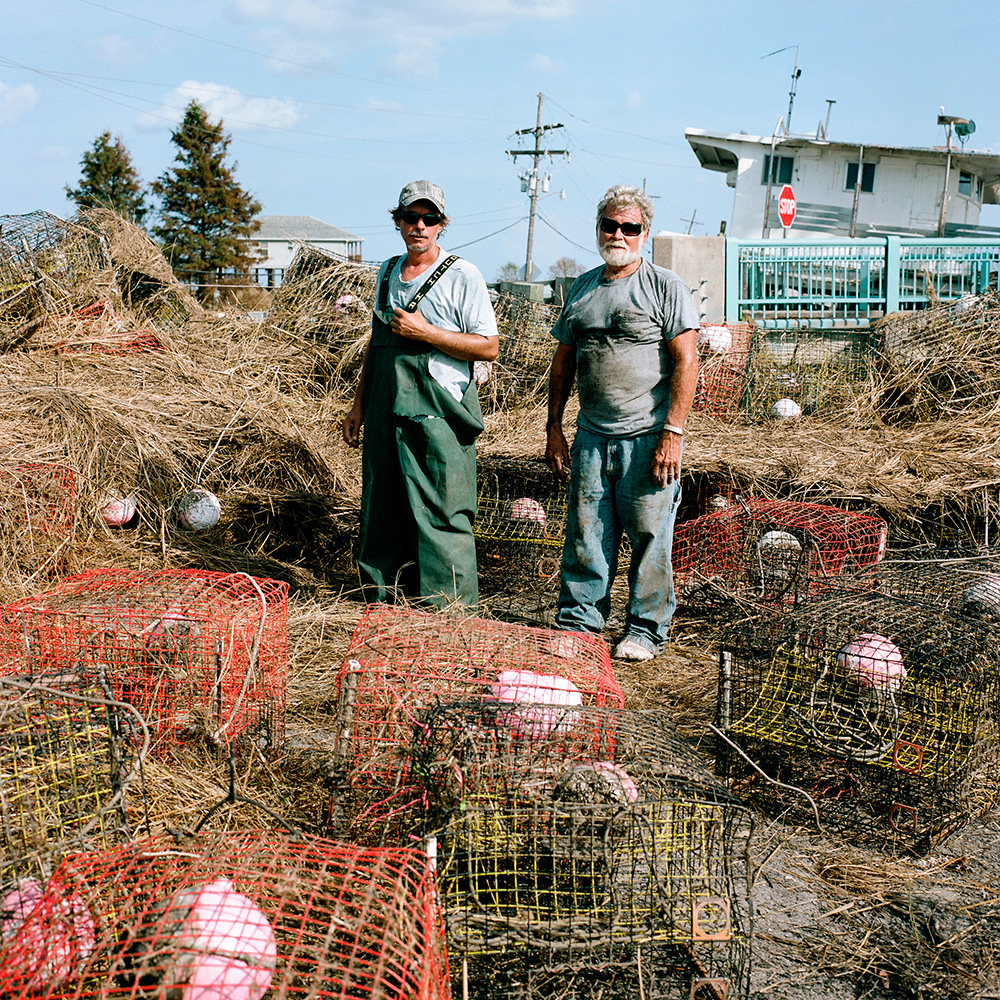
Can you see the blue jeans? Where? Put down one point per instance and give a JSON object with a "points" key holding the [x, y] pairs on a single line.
{"points": [[613, 490]]}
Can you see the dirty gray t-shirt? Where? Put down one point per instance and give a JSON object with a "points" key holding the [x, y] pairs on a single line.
{"points": [[619, 329]]}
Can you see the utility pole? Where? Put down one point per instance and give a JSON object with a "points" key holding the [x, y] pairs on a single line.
{"points": [[530, 181]]}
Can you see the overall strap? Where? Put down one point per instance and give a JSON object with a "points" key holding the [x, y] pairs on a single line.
{"points": [[383, 289], [411, 306]]}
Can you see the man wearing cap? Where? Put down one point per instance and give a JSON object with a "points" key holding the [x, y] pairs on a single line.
{"points": [[433, 319], [628, 335]]}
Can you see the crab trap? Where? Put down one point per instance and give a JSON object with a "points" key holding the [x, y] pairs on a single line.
{"points": [[69, 764], [594, 856], [882, 710], [724, 352], [36, 514], [823, 372], [520, 525], [238, 915], [403, 664], [771, 551], [203, 656]]}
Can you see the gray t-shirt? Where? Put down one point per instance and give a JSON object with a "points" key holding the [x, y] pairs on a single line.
{"points": [[619, 330]]}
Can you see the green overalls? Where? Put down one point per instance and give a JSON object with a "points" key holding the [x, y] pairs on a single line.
{"points": [[418, 469]]}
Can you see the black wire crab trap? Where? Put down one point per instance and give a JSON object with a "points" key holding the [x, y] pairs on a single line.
{"points": [[520, 526], [771, 550], [883, 710], [70, 764], [232, 916], [202, 655], [594, 856]]}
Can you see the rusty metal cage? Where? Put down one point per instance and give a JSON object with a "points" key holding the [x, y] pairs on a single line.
{"points": [[771, 550], [883, 710], [403, 664], [236, 915], [596, 848], [202, 655]]}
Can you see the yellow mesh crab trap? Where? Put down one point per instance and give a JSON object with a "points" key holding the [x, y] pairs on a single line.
{"points": [[882, 710], [600, 842], [70, 766]]}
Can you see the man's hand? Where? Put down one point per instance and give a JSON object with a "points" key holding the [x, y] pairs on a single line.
{"points": [[410, 325], [557, 451], [666, 465], [350, 426]]}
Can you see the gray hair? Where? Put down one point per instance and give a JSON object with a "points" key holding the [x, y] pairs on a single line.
{"points": [[626, 196]]}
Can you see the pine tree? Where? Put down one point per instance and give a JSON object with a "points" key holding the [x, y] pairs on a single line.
{"points": [[207, 220], [109, 180]]}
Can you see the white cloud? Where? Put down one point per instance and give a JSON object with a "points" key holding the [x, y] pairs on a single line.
{"points": [[238, 112], [544, 65], [16, 102], [633, 100], [114, 49], [411, 35]]}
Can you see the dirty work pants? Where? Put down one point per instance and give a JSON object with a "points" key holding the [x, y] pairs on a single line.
{"points": [[613, 490], [418, 504]]}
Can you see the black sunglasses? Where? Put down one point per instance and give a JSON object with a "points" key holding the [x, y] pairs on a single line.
{"points": [[411, 218], [610, 226]]}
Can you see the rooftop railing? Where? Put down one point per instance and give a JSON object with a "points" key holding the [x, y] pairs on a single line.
{"points": [[831, 284]]}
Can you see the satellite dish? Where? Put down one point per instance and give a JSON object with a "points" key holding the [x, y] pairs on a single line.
{"points": [[535, 272]]}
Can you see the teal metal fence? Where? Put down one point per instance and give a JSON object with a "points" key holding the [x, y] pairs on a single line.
{"points": [[828, 284]]}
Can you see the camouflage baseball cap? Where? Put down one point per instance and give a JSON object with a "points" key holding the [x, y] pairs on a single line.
{"points": [[422, 191]]}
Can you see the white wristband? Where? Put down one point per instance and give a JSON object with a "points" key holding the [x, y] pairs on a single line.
{"points": [[674, 430]]}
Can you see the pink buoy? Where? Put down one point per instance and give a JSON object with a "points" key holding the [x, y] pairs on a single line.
{"points": [[543, 701], [44, 939], [117, 511], [207, 943], [874, 662], [526, 509]]}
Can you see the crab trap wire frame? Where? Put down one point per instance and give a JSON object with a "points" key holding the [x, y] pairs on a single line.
{"points": [[202, 655], [403, 664], [520, 524], [822, 371], [771, 550], [595, 839], [724, 352], [68, 764], [238, 915], [883, 710]]}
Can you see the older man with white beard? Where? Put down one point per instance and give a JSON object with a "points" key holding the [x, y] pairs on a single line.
{"points": [[628, 335]]}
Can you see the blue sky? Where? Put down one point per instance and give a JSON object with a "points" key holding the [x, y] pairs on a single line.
{"points": [[332, 105]]}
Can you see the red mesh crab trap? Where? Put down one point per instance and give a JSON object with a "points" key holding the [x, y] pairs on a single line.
{"points": [[882, 709], [238, 916], [596, 855], [520, 526], [403, 664], [771, 550], [202, 655], [724, 352], [69, 765]]}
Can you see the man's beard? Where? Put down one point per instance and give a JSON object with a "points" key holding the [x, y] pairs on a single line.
{"points": [[618, 256]]}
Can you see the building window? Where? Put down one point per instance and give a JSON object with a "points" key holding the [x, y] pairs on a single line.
{"points": [[867, 177], [968, 182], [781, 169]]}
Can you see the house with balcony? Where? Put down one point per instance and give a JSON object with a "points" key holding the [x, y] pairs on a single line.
{"points": [[280, 236], [876, 229]]}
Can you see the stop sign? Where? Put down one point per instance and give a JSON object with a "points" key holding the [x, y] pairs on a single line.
{"points": [[786, 206]]}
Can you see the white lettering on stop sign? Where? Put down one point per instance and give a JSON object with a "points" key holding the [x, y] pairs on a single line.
{"points": [[786, 206]]}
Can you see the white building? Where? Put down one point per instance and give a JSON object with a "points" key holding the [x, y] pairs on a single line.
{"points": [[847, 189], [280, 235]]}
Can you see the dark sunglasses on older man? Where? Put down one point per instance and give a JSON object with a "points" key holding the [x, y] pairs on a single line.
{"points": [[412, 218], [611, 226]]}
